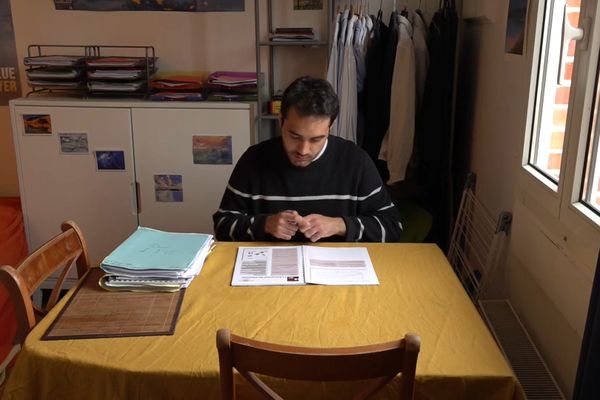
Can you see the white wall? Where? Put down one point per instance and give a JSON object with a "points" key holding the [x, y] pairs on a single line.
{"points": [[183, 41], [549, 268]]}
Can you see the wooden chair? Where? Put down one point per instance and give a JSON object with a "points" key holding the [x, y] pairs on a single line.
{"points": [[379, 362], [21, 282]]}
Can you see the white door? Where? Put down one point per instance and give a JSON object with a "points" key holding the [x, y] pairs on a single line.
{"points": [[76, 163], [184, 158]]}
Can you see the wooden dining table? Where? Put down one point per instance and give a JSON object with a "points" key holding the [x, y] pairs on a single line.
{"points": [[417, 292]]}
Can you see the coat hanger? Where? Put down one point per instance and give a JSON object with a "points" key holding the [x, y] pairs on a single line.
{"points": [[404, 11]]}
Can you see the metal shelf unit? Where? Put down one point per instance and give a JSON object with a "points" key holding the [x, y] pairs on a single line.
{"points": [[263, 81]]}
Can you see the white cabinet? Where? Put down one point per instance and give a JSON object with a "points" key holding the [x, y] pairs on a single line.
{"points": [[153, 139], [163, 141]]}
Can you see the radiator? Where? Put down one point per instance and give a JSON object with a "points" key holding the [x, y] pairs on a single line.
{"points": [[524, 358]]}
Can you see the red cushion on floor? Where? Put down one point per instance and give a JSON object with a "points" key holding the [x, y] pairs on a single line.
{"points": [[7, 322], [13, 246], [13, 249]]}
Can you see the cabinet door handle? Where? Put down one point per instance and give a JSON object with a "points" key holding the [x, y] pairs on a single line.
{"points": [[136, 201]]}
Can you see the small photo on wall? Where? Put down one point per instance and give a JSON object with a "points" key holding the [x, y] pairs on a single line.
{"points": [[168, 188], [516, 27], [308, 4], [73, 143], [110, 160], [212, 149], [39, 124]]}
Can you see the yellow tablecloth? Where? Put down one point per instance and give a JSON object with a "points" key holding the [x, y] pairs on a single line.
{"points": [[418, 292]]}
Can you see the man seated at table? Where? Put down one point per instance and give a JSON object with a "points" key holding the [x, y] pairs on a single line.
{"points": [[306, 184]]}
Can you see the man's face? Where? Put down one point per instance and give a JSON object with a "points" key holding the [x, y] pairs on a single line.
{"points": [[303, 137]]}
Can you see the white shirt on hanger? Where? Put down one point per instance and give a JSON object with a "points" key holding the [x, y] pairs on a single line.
{"points": [[333, 67], [397, 144], [421, 57]]}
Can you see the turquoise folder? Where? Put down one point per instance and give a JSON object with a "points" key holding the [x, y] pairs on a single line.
{"points": [[151, 249]]}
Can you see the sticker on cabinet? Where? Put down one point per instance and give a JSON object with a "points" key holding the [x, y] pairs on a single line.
{"points": [[73, 143], [110, 160], [37, 124], [212, 149], [168, 188]]}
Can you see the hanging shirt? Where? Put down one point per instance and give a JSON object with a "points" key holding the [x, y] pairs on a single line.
{"points": [[342, 40], [397, 144], [332, 68], [421, 56], [347, 87], [359, 53]]}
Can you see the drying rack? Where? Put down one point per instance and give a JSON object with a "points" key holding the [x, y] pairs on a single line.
{"points": [[145, 54]]}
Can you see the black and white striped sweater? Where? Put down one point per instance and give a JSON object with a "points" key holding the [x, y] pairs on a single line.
{"points": [[342, 182]]}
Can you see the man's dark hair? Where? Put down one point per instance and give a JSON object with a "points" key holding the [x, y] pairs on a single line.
{"points": [[310, 97]]}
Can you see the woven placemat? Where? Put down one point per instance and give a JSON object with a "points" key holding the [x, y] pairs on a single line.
{"points": [[93, 312]]}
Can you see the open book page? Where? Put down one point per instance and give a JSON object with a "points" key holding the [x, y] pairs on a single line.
{"points": [[258, 266], [338, 266]]}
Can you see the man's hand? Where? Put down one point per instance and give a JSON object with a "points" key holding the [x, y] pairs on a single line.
{"points": [[283, 225], [317, 226]]}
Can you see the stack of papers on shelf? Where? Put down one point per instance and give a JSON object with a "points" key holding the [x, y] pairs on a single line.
{"points": [[299, 265], [232, 79], [156, 260], [177, 96], [179, 81], [119, 62], [116, 74], [292, 34], [100, 86], [232, 86], [53, 61], [52, 73], [51, 84]]}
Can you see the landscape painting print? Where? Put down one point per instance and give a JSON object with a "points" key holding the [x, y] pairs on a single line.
{"points": [[150, 5], [73, 143], [37, 124], [110, 160], [212, 149], [168, 188]]}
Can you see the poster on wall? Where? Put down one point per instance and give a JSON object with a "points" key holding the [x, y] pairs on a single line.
{"points": [[150, 5], [9, 71], [516, 27]]}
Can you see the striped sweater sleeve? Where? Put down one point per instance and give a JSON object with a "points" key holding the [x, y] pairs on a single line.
{"points": [[377, 219], [234, 220]]}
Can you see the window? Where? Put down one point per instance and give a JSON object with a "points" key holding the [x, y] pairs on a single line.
{"points": [[553, 84], [591, 182], [562, 146]]}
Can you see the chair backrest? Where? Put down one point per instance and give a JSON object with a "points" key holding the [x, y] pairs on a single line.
{"points": [[477, 242], [58, 254], [379, 362]]}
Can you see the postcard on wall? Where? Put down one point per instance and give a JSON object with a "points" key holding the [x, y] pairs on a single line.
{"points": [[308, 4], [212, 149], [516, 27], [37, 124], [168, 188], [110, 160], [73, 143], [150, 5]]}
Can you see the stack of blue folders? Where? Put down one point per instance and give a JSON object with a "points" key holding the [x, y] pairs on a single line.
{"points": [[153, 260]]}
